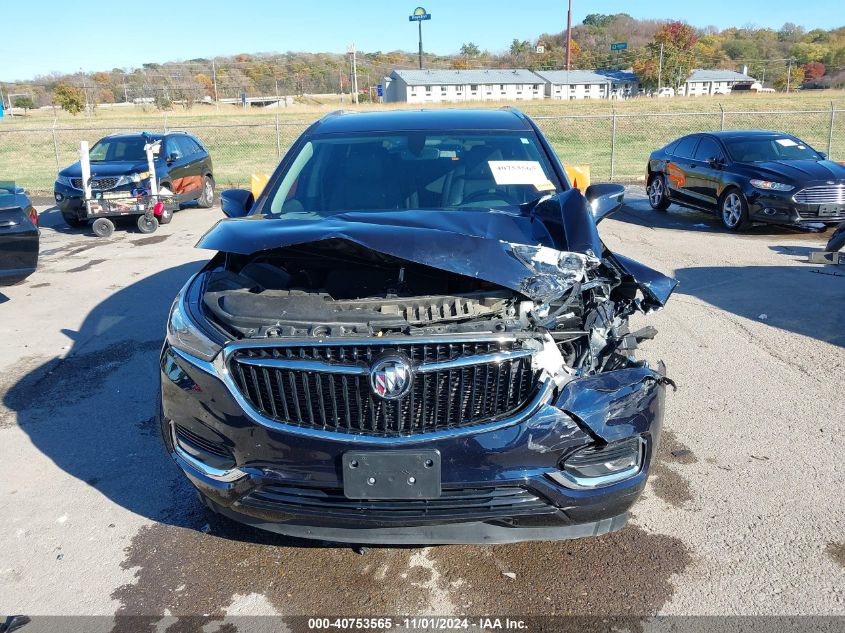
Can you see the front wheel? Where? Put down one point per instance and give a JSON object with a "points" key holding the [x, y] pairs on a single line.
{"points": [[734, 210], [658, 197], [147, 225], [206, 199]]}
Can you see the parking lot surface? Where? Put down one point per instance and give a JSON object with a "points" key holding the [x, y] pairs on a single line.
{"points": [[743, 514]]}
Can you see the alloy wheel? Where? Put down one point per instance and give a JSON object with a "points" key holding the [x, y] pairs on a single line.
{"points": [[655, 192], [732, 210]]}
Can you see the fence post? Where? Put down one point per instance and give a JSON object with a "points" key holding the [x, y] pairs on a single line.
{"points": [[56, 145], [830, 133], [722, 123], [613, 145], [278, 137], [165, 121]]}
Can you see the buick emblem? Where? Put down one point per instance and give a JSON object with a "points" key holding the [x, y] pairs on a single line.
{"points": [[391, 377]]}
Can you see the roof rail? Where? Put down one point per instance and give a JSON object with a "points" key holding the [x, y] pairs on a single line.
{"points": [[335, 113]]}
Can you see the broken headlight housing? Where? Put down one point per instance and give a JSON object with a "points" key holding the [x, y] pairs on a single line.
{"points": [[595, 466], [185, 335]]}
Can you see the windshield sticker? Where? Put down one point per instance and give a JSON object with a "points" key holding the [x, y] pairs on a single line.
{"points": [[546, 185], [517, 172], [786, 142]]}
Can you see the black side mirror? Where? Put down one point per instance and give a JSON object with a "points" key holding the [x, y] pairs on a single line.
{"points": [[604, 199], [172, 158], [716, 162], [823, 155], [236, 203]]}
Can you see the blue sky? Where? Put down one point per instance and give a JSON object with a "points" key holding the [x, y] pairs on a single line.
{"points": [[100, 34]]}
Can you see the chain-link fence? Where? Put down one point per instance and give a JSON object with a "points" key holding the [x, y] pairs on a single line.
{"points": [[615, 146]]}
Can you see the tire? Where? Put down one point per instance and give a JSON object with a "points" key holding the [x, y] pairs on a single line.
{"points": [[733, 210], [837, 240], [206, 199], [74, 222], [103, 227], [166, 215], [658, 195], [147, 225]]}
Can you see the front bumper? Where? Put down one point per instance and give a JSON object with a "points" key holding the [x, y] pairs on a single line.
{"points": [[495, 483], [775, 207]]}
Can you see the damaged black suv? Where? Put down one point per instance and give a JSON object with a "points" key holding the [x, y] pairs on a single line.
{"points": [[415, 335]]}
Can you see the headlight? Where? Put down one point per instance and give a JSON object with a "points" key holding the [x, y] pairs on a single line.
{"points": [[123, 180], [140, 176], [185, 335], [596, 466], [64, 180], [768, 185]]}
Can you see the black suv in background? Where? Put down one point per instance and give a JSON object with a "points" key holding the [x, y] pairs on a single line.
{"points": [[119, 162]]}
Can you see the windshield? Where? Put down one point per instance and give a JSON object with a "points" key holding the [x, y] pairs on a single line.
{"points": [[758, 150], [412, 170], [123, 149]]}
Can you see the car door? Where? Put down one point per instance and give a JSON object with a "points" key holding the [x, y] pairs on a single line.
{"points": [[18, 238], [192, 184], [678, 169], [705, 181], [178, 166]]}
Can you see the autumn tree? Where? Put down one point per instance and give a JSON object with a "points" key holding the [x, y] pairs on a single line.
{"points": [[785, 79], [813, 71], [69, 98], [678, 41]]}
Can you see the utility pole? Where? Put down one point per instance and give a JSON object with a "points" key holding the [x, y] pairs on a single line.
{"points": [[788, 74], [214, 81], [569, 37], [660, 70], [125, 92], [352, 52]]}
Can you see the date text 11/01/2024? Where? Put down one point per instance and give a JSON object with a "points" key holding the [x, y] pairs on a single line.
{"points": [[421, 623]]}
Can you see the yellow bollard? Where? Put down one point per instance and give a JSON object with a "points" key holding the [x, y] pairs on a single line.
{"points": [[257, 182], [579, 176]]}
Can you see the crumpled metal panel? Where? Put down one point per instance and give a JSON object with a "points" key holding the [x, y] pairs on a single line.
{"points": [[617, 404]]}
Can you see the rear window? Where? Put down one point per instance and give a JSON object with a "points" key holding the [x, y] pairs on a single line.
{"points": [[686, 147]]}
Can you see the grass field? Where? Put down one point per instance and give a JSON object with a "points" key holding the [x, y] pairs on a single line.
{"points": [[582, 132]]}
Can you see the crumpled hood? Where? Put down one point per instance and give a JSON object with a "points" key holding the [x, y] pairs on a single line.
{"points": [[508, 249]]}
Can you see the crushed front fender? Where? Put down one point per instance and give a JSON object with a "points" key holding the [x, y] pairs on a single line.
{"points": [[617, 404]]}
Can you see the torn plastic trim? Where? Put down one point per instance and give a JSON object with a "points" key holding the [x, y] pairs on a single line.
{"points": [[617, 404], [656, 286]]}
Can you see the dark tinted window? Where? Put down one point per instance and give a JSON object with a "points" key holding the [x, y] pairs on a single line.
{"points": [[670, 148], [707, 149], [172, 149], [685, 147], [189, 146]]}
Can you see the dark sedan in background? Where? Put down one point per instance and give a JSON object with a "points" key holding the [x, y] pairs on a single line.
{"points": [[747, 177], [18, 235]]}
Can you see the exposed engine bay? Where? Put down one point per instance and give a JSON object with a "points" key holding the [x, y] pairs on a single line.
{"points": [[335, 288]]}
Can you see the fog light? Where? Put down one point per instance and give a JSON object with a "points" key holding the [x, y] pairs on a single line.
{"points": [[770, 211], [59, 197], [596, 466]]}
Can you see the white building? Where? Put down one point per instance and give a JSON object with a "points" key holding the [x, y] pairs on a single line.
{"points": [[449, 86], [713, 82], [589, 84]]}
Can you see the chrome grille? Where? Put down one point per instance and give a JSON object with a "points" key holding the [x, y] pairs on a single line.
{"points": [[829, 194], [97, 184], [327, 386]]}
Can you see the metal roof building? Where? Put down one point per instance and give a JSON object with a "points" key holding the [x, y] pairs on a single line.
{"points": [[713, 82], [441, 85], [589, 84]]}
